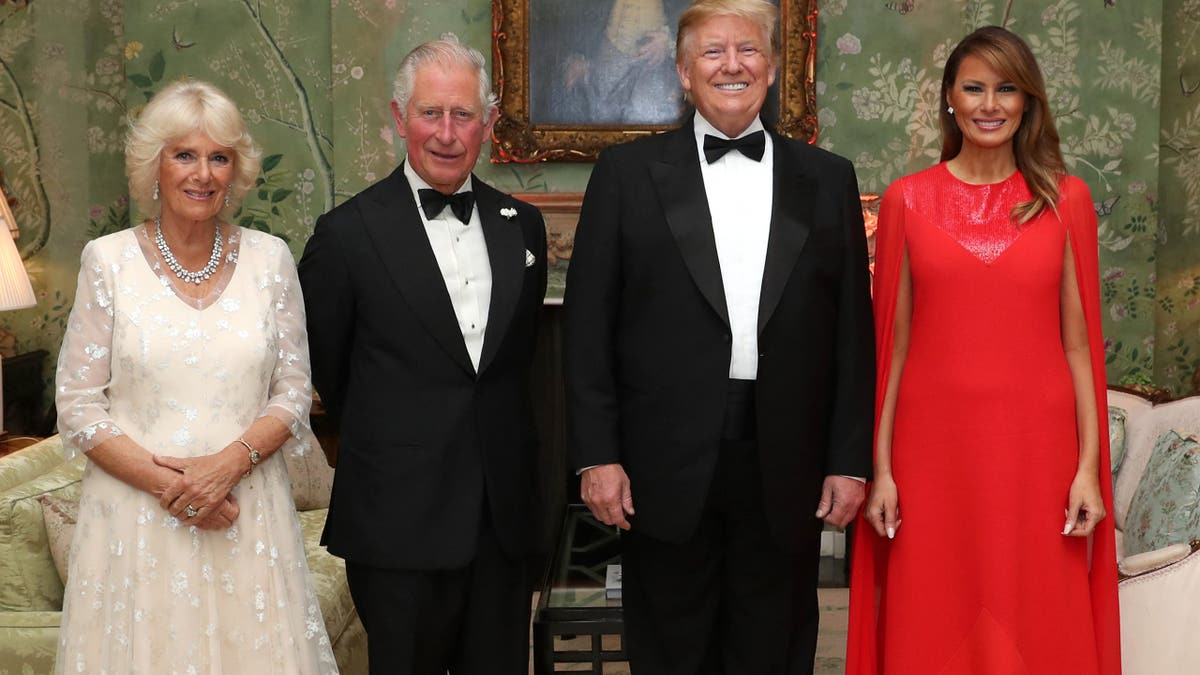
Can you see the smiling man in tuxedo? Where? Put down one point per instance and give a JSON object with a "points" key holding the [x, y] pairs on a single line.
{"points": [[422, 294], [720, 366]]}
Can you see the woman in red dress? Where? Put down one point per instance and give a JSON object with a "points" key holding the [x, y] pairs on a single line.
{"points": [[989, 443]]}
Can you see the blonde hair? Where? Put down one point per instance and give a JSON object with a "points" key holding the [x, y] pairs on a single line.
{"points": [[181, 108], [1035, 145], [760, 12], [446, 52]]}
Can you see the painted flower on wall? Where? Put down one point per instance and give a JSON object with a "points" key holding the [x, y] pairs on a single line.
{"points": [[849, 44]]}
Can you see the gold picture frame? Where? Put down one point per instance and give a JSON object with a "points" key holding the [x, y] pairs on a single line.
{"points": [[518, 137]]}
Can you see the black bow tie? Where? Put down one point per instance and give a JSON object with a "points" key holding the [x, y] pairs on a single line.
{"points": [[751, 145], [460, 203]]}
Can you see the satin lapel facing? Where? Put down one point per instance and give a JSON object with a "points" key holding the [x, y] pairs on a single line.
{"points": [[680, 187], [791, 215], [506, 251], [400, 238]]}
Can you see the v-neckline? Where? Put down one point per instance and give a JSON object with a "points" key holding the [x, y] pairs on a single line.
{"points": [[233, 246]]}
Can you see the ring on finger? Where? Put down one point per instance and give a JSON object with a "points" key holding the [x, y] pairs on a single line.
{"points": [[190, 511]]}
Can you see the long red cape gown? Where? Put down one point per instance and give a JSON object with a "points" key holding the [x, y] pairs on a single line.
{"points": [[979, 579]]}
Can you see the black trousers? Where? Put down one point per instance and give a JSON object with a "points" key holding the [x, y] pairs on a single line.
{"points": [[469, 621], [728, 601]]}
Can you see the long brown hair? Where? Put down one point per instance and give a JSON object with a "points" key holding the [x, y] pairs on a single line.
{"points": [[1035, 145]]}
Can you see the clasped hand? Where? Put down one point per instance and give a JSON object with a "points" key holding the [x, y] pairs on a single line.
{"points": [[204, 484]]}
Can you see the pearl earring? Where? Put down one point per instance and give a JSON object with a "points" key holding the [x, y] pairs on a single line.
{"points": [[155, 195], [950, 109]]}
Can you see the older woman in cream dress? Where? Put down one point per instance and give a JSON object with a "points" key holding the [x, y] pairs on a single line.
{"points": [[183, 376]]}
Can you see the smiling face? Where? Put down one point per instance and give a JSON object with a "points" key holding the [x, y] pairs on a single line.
{"points": [[194, 173], [987, 107], [727, 71], [444, 124]]}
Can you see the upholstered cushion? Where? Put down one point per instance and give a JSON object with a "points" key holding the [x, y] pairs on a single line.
{"points": [[1116, 438], [337, 608], [311, 477], [28, 579], [29, 463], [28, 641], [60, 516], [1166, 507], [1144, 424], [328, 575]]}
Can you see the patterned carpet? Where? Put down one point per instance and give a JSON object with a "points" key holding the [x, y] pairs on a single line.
{"points": [[831, 641]]}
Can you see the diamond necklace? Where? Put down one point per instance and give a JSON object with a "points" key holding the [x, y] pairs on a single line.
{"points": [[185, 275]]}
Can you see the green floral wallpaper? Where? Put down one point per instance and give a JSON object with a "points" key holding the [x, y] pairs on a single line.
{"points": [[314, 80], [1177, 296]]}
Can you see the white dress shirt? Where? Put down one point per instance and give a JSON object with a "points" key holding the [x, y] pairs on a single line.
{"points": [[462, 256], [740, 192]]}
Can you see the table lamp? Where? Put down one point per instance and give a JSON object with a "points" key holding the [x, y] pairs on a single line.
{"points": [[15, 289]]}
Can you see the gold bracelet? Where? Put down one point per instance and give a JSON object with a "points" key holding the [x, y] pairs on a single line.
{"points": [[253, 454]]}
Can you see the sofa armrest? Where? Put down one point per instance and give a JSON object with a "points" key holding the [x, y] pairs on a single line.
{"points": [[28, 641], [1141, 563], [1159, 616], [30, 462]]}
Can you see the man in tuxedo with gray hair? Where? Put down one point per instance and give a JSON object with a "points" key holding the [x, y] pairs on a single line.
{"points": [[423, 293]]}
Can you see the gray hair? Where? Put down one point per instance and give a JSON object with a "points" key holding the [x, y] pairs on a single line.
{"points": [[183, 107], [446, 52]]}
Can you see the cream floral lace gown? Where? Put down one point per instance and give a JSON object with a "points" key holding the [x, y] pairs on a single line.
{"points": [[185, 377]]}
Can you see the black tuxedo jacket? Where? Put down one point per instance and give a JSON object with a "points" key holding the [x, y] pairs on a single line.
{"points": [[648, 341], [424, 439]]}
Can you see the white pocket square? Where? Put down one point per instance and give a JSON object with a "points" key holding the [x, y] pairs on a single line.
{"points": [[529, 259]]}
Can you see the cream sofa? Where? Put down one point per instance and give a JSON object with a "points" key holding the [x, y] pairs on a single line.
{"points": [[35, 483], [1156, 499]]}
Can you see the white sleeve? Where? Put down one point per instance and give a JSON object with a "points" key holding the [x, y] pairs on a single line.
{"points": [[85, 359]]}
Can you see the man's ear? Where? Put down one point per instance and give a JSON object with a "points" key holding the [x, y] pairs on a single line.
{"points": [[685, 79], [398, 116], [493, 114]]}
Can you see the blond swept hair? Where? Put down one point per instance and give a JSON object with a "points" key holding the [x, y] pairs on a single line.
{"points": [[1035, 145], [180, 109], [761, 12]]}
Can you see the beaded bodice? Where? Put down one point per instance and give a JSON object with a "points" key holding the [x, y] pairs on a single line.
{"points": [[978, 217]]}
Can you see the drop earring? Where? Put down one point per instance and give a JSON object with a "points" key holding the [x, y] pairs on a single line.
{"points": [[950, 109], [226, 196], [155, 195]]}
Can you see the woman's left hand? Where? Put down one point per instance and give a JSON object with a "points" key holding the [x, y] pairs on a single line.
{"points": [[204, 484], [1085, 506]]}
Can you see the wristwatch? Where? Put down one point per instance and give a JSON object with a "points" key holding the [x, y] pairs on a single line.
{"points": [[252, 453]]}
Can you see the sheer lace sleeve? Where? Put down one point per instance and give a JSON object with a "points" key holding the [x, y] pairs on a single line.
{"points": [[290, 394], [84, 361]]}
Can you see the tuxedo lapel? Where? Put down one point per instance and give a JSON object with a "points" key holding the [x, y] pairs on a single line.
{"points": [[680, 187], [506, 251], [791, 215], [399, 235]]}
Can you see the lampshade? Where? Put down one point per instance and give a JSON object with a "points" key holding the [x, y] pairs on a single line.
{"points": [[15, 289]]}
